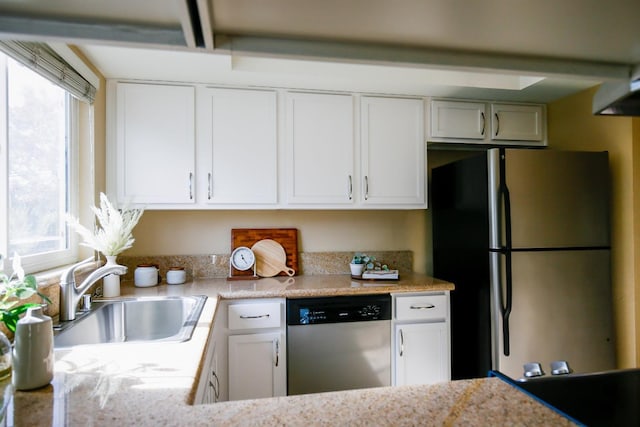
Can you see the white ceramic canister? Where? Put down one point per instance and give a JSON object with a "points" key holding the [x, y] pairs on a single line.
{"points": [[176, 276], [145, 275], [33, 351]]}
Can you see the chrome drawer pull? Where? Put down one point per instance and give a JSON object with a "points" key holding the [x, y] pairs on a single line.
{"points": [[260, 316], [422, 307]]}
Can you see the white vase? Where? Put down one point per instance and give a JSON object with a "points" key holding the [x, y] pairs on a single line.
{"points": [[111, 283], [356, 269], [33, 351]]}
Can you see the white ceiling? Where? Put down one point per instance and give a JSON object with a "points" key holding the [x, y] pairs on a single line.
{"points": [[495, 47]]}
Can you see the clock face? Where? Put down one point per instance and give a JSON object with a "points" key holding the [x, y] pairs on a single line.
{"points": [[242, 258]]}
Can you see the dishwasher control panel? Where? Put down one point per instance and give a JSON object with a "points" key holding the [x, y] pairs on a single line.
{"points": [[358, 308]]}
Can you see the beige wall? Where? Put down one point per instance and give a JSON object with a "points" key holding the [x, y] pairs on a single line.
{"points": [[204, 232], [572, 126]]}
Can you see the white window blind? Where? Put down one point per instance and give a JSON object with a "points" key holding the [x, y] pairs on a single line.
{"points": [[43, 60]]}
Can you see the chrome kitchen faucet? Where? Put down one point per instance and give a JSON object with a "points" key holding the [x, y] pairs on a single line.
{"points": [[70, 294]]}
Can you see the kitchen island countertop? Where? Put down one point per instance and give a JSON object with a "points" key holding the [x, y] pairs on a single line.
{"points": [[154, 383]]}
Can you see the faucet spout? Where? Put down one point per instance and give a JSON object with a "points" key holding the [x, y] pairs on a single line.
{"points": [[70, 294]]}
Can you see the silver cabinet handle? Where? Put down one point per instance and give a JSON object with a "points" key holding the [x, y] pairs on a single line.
{"points": [[401, 343], [259, 316], [483, 122], [366, 187], [350, 188], [215, 387], [209, 186], [190, 185], [277, 343], [422, 307], [497, 123]]}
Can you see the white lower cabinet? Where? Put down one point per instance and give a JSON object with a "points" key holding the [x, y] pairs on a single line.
{"points": [[421, 339], [246, 352], [421, 353], [212, 386], [256, 366], [209, 387], [257, 362]]}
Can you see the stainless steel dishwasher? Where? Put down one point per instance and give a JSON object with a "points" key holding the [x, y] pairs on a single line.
{"points": [[338, 343]]}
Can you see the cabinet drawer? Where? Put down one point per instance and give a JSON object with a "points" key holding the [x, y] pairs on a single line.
{"points": [[254, 316], [421, 307]]}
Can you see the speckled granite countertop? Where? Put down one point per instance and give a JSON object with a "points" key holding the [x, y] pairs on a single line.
{"points": [[154, 384]]}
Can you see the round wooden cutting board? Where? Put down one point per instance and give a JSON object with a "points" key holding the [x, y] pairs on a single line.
{"points": [[271, 258]]}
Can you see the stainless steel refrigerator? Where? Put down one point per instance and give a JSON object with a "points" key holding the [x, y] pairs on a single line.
{"points": [[524, 235]]}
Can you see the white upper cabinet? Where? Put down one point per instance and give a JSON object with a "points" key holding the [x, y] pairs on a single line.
{"points": [[393, 152], [478, 122], [193, 146], [453, 119], [154, 144], [517, 122], [237, 134], [319, 158]]}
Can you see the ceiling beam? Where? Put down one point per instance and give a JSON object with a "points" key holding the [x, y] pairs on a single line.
{"points": [[205, 9], [420, 57], [184, 14], [121, 33]]}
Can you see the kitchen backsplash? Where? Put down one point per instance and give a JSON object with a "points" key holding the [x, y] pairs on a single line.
{"points": [[217, 266]]}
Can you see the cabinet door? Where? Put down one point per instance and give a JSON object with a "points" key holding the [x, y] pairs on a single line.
{"points": [[517, 122], [320, 148], [421, 353], [155, 143], [257, 366], [209, 385], [238, 129], [457, 119], [393, 152]]}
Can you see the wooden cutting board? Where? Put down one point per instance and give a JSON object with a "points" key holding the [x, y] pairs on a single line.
{"points": [[287, 237], [270, 258]]}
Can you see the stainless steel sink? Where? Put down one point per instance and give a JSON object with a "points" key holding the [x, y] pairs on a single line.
{"points": [[133, 319]]}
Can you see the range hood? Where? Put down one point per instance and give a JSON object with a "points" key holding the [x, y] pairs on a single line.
{"points": [[619, 98]]}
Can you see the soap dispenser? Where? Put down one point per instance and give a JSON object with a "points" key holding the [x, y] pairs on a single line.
{"points": [[33, 351]]}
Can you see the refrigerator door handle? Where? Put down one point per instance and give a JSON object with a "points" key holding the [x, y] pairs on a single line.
{"points": [[506, 299]]}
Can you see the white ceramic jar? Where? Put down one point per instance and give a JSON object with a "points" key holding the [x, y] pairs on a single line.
{"points": [[33, 351], [145, 275], [176, 276]]}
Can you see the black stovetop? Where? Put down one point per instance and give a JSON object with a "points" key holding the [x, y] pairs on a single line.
{"points": [[610, 398]]}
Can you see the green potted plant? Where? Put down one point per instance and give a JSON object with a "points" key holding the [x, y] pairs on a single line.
{"points": [[14, 289], [359, 262]]}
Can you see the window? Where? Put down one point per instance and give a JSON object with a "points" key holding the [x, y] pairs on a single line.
{"points": [[37, 144]]}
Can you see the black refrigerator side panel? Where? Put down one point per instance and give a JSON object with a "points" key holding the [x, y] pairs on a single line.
{"points": [[460, 253]]}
